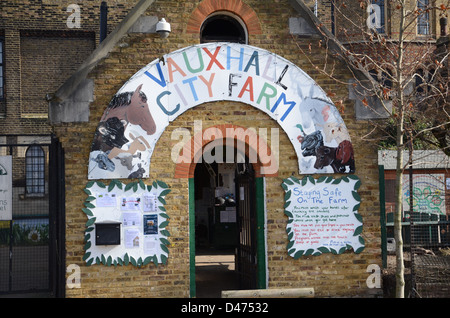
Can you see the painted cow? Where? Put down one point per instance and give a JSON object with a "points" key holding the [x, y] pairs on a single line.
{"points": [[133, 108], [335, 157], [325, 156], [109, 135]]}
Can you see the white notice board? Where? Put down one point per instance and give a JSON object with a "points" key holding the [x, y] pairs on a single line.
{"points": [[323, 215], [140, 210]]}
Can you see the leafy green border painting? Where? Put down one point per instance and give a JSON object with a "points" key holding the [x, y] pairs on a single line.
{"points": [[161, 188], [292, 184]]}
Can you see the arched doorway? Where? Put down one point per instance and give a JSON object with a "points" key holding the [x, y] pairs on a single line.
{"points": [[225, 223], [230, 166]]}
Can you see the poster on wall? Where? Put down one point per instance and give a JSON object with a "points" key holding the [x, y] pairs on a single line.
{"points": [[323, 215], [428, 193], [119, 229], [6, 188], [139, 112]]}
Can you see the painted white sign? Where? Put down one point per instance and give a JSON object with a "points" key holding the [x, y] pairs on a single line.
{"points": [[5, 188], [157, 94], [323, 215]]}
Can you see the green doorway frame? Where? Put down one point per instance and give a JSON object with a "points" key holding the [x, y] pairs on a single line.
{"points": [[260, 235]]}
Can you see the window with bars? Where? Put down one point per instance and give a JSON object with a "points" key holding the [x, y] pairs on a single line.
{"points": [[35, 170], [423, 19]]}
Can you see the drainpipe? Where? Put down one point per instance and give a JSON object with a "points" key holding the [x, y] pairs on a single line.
{"points": [[103, 21], [443, 23]]}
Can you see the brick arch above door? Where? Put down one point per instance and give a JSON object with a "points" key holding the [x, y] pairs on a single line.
{"points": [[266, 164], [237, 7]]}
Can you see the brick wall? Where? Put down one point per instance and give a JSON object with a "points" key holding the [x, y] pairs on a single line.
{"points": [[38, 76], [41, 51], [330, 275]]}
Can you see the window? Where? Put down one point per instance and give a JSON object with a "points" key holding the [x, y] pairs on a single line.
{"points": [[379, 15], [223, 28], [384, 77], [374, 74], [423, 20], [423, 80], [2, 81], [419, 81], [35, 170]]}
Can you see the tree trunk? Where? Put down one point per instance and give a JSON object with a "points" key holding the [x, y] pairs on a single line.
{"points": [[399, 117], [400, 268]]}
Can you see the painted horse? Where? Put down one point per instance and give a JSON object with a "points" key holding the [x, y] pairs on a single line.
{"points": [[131, 107]]}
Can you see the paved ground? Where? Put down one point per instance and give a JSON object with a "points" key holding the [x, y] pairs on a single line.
{"points": [[214, 273]]}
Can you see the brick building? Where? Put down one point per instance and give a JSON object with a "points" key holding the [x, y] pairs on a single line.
{"points": [[33, 33], [61, 82]]}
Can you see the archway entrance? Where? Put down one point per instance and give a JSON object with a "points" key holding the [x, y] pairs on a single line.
{"points": [[248, 160], [225, 224]]}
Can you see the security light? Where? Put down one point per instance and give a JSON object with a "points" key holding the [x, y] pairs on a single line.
{"points": [[163, 28]]}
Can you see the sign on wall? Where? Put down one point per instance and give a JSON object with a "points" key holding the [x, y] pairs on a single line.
{"points": [[126, 223], [157, 94], [428, 193], [323, 215], [5, 188]]}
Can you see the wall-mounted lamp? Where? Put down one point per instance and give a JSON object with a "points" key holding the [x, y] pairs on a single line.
{"points": [[163, 28]]}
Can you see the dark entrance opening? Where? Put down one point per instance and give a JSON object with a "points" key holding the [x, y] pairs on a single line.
{"points": [[225, 227]]}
